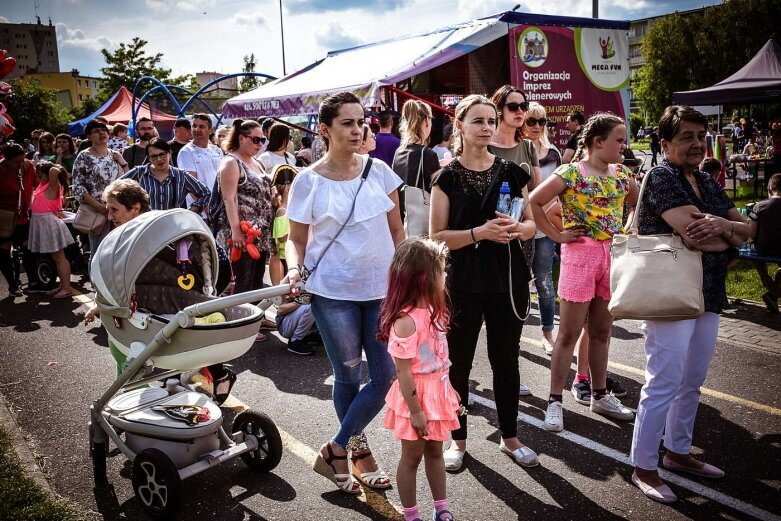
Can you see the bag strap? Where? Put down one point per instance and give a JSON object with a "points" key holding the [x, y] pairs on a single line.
{"points": [[491, 185], [364, 175], [21, 189], [635, 216], [420, 169]]}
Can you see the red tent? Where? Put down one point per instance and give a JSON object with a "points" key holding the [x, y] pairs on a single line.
{"points": [[118, 109]]}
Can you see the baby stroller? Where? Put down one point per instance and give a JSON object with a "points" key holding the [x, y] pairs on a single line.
{"points": [[153, 277]]}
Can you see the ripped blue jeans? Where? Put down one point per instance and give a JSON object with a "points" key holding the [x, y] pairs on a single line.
{"points": [[542, 267], [348, 328]]}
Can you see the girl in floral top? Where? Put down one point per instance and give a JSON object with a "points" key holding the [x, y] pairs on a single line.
{"points": [[592, 194]]}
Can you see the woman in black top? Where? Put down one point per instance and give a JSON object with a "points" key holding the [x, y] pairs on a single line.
{"points": [[678, 197], [485, 255], [413, 159]]}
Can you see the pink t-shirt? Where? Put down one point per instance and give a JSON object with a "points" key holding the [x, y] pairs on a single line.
{"points": [[43, 205], [426, 347]]}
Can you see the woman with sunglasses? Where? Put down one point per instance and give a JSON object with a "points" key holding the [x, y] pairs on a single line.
{"points": [[508, 143], [246, 192], [535, 130]]}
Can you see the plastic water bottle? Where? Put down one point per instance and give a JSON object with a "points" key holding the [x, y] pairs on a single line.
{"points": [[505, 201]]}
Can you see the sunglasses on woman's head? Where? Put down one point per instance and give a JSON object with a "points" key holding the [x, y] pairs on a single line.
{"points": [[534, 121], [513, 106], [257, 140]]}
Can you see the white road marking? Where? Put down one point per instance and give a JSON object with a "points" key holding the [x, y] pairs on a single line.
{"points": [[620, 457]]}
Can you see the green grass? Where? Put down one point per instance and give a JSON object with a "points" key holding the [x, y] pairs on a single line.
{"points": [[21, 499], [743, 281]]}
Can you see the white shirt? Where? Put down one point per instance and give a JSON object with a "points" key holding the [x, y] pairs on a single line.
{"points": [[269, 160], [356, 266], [205, 162]]}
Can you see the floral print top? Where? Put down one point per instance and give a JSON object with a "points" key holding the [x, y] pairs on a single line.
{"points": [[594, 201], [254, 202], [92, 174]]}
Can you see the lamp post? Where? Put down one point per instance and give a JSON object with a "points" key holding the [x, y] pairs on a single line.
{"points": [[594, 8], [282, 32]]}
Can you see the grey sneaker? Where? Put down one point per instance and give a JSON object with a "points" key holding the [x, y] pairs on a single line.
{"points": [[554, 417], [581, 390], [298, 347], [615, 388], [524, 390], [610, 406]]}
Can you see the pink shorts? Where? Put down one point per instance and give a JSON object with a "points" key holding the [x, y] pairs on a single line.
{"points": [[585, 270]]}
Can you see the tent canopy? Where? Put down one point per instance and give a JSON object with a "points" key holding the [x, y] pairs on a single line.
{"points": [[119, 109], [363, 70], [758, 81]]}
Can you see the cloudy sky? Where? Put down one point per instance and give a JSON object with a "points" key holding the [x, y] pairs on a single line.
{"points": [[214, 35]]}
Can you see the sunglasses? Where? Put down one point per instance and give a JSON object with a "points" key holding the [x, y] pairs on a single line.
{"points": [[534, 121], [257, 140], [155, 157], [513, 106]]}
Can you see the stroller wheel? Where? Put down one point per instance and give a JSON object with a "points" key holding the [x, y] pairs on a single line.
{"points": [[98, 451], [157, 484], [269, 451], [46, 270]]}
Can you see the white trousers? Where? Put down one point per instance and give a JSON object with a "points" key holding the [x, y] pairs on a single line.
{"points": [[678, 354]]}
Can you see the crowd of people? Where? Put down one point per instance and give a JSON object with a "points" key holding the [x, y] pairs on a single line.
{"points": [[407, 251]]}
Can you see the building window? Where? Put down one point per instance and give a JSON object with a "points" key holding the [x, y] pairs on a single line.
{"points": [[78, 82], [94, 84], [81, 97]]}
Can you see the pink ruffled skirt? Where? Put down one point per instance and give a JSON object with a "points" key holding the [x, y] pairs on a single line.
{"points": [[439, 401]]}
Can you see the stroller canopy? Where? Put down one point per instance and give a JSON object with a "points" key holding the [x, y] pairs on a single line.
{"points": [[126, 251]]}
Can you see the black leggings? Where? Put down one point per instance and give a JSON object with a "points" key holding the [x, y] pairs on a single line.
{"points": [[8, 267], [503, 332], [249, 273]]}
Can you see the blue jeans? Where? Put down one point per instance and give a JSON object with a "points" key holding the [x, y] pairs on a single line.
{"points": [[348, 328], [545, 250]]}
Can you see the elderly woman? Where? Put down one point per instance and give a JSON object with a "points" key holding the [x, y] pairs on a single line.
{"points": [[344, 227], [484, 254], [679, 198]]}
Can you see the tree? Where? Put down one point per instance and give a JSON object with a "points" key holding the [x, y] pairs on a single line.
{"points": [[33, 106], [87, 107], [129, 63], [667, 48], [249, 82]]}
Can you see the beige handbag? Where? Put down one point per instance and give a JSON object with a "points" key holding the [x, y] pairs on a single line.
{"points": [[417, 204], [89, 220], [654, 277]]}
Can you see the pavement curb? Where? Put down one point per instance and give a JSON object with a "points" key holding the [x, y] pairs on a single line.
{"points": [[22, 449]]}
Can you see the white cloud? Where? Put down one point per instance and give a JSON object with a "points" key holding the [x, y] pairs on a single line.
{"points": [[67, 37], [157, 5], [334, 37], [4, 20], [252, 18], [195, 5]]}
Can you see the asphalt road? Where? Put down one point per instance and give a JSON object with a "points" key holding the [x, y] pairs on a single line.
{"points": [[52, 367]]}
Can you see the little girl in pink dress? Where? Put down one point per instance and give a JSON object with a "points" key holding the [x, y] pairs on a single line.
{"points": [[422, 404]]}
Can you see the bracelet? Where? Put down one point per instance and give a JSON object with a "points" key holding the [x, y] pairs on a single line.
{"points": [[472, 233], [294, 268]]}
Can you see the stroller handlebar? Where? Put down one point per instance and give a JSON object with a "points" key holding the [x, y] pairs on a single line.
{"points": [[186, 316]]}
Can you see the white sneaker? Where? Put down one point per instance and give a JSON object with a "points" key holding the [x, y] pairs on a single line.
{"points": [[554, 417], [547, 346], [524, 391], [610, 406]]}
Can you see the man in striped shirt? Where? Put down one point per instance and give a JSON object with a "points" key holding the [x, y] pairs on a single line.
{"points": [[166, 185]]}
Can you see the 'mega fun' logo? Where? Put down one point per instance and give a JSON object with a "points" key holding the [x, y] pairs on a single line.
{"points": [[606, 45]]}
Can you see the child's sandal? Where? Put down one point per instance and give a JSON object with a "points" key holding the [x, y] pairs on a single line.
{"points": [[324, 466], [377, 479]]}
